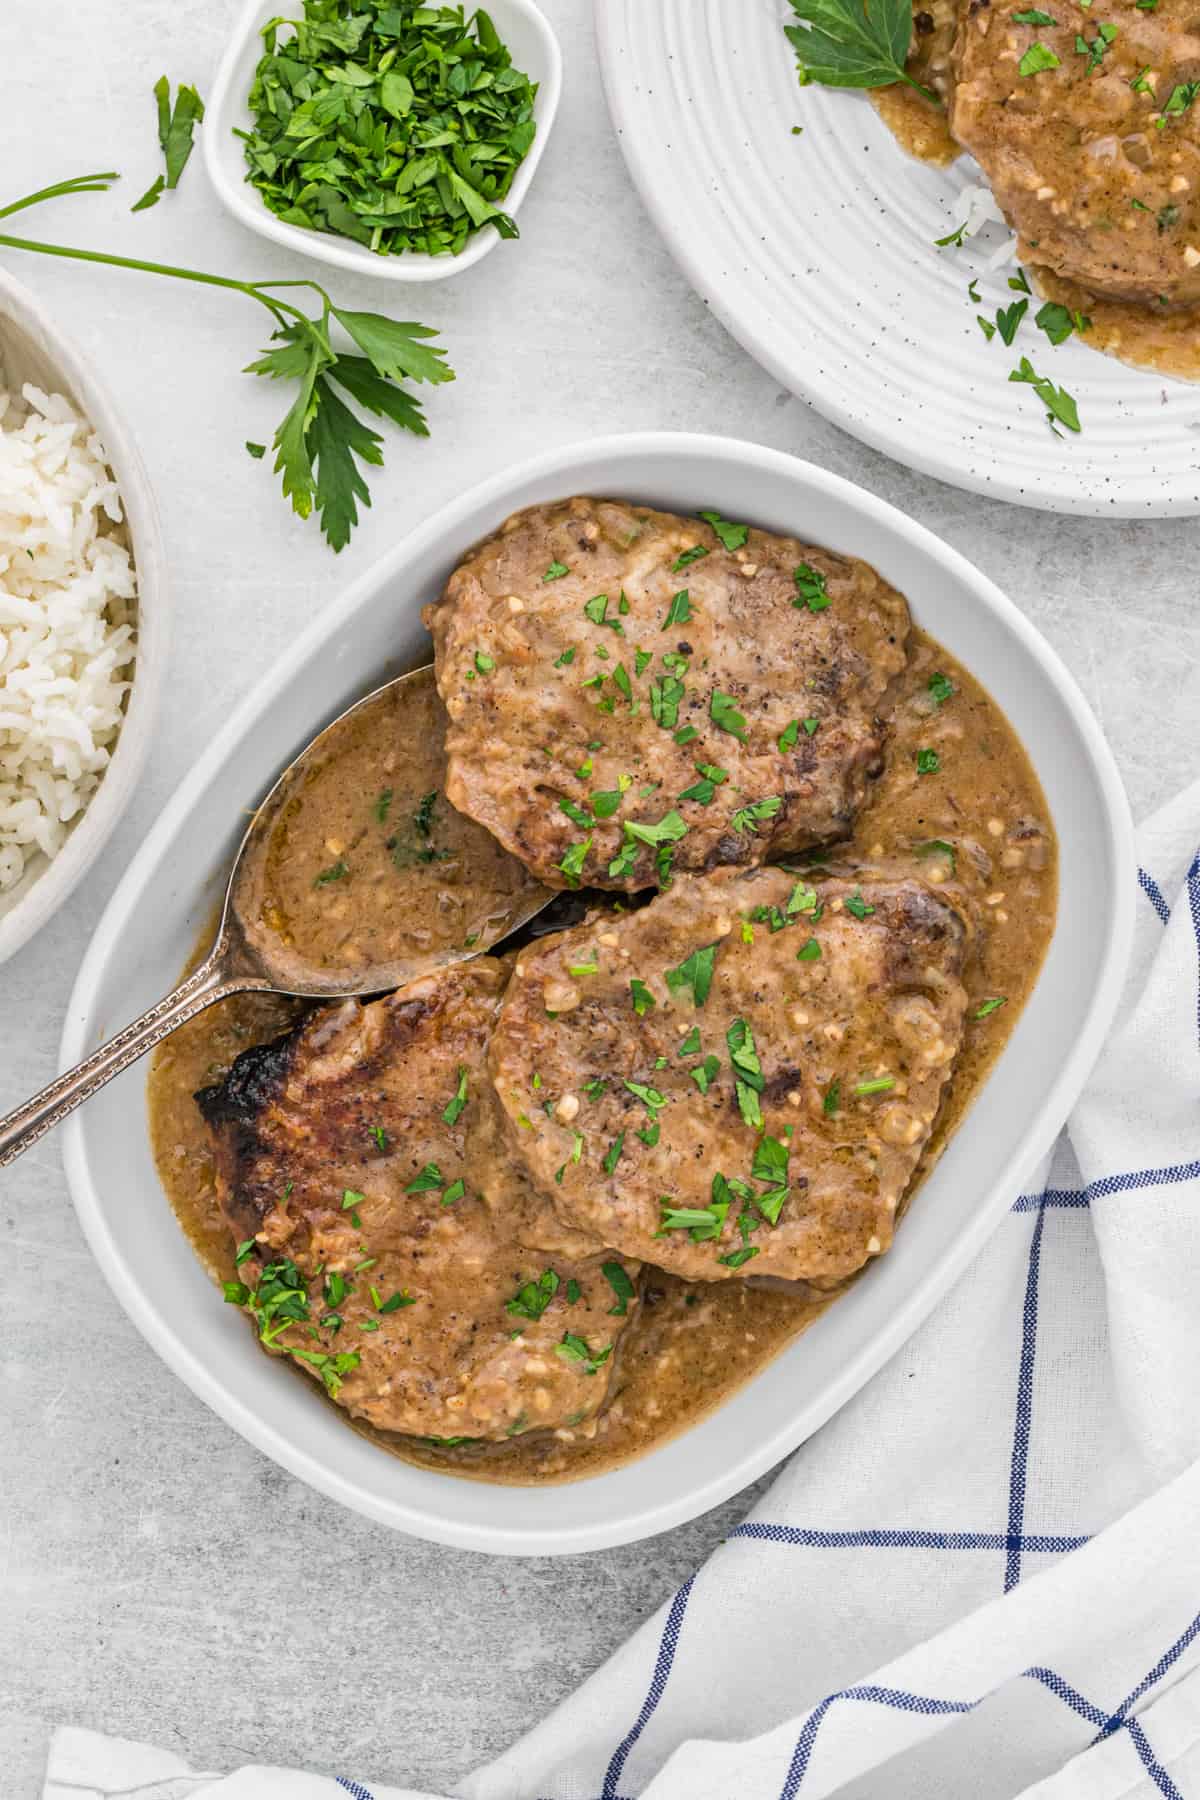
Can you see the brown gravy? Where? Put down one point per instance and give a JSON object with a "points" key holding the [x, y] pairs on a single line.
{"points": [[361, 864], [693, 1345]]}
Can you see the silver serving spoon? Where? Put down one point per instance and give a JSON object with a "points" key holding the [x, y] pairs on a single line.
{"points": [[246, 958]]}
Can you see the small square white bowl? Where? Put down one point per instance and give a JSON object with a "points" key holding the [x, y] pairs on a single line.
{"points": [[535, 51]]}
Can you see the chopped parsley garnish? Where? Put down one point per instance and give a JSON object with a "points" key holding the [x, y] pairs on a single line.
{"points": [[938, 847], [810, 588], [686, 557], [928, 762], [587, 968], [1033, 17], [430, 1178], [722, 710], [832, 1100], [246, 1249], [279, 1300], [396, 1301], [484, 663], [567, 657], [383, 802], [732, 536], [556, 571], [857, 906], [665, 696], [691, 1043], [737, 1258], [1059, 405], [1181, 98], [574, 1350], [702, 1223], [574, 1292], [643, 999], [336, 872], [940, 688], [748, 818], [991, 1006], [454, 1192], [679, 611], [770, 1166], [810, 952], [705, 1073], [613, 1154], [576, 814], [606, 804], [650, 1097], [1008, 318], [379, 1137], [1037, 58], [748, 1075], [880, 1084], [453, 1112], [695, 972], [1097, 48], [531, 1301], [572, 863], [618, 1280], [594, 1089], [787, 737]]}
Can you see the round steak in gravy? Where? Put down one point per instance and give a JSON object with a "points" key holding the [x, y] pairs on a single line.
{"points": [[631, 693], [740, 1078], [344, 1167], [1086, 125]]}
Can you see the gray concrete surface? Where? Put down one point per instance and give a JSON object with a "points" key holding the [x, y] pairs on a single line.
{"points": [[158, 1577]]}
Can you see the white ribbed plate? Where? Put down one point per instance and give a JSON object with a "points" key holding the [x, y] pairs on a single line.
{"points": [[816, 251]]}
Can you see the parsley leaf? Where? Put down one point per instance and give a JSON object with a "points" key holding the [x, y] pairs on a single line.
{"points": [[617, 1277], [531, 1301], [1058, 403], [574, 1350], [853, 43], [732, 536], [679, 611], [722, 709], [694, 972]]}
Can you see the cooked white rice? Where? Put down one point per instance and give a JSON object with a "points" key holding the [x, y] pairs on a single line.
{"points": [[67, 623]]}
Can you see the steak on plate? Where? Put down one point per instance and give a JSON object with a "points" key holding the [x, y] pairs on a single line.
{"points": [[1085, 127]]}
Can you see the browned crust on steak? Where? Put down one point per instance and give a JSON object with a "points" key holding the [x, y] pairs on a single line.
{"points": [[527, 734], [885, 999], [296, 1128]]}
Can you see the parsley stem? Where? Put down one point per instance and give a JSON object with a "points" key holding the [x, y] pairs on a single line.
{"points": [[150, 268], [76, 184], [926, 93]]}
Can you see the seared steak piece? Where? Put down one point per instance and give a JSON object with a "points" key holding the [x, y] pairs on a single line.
{"points": [[344, 1165], [1095, 158], [740, 1078], [626, 694]]}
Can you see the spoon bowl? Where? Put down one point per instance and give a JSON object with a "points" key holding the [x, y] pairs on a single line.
{"points": [[261, 946]]}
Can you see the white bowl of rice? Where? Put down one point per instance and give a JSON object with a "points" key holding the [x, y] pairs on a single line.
{"points": [[82, 617]]}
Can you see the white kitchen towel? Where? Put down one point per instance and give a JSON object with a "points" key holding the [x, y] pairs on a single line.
{"points": [[985, 1572]]}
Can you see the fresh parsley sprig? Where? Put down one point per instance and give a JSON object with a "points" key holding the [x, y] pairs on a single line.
{"points": [[321, 441], [854, 43]]}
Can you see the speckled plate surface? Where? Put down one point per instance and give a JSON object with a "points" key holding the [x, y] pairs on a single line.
{"points": [[817, 252]]}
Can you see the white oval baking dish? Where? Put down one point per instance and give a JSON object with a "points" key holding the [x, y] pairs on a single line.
{"points": [[374, 630]]}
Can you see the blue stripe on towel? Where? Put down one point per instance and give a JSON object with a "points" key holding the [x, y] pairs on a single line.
{"points": [[1024, 1417], [894, 1538], [658, 1682], [1154, 894]]}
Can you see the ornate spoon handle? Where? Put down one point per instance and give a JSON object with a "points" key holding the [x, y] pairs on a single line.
{"points": [[212, 981]]}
